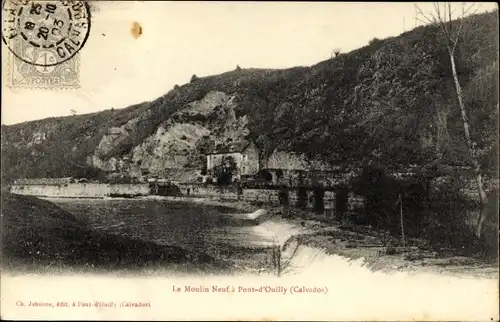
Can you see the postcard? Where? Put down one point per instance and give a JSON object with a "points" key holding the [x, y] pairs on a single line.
{"points": [[180, 160]]}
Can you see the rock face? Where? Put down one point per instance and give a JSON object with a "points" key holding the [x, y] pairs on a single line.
{"points": [[207, 104], [175, 142], [113, 139], [169, 147], [391, 102], [38, 138]]}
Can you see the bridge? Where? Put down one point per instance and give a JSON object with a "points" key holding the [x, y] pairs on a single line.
{"points": [[318, 190]]}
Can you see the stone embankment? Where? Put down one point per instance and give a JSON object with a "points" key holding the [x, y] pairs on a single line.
{"points": [[103, 190], [82, 190]]}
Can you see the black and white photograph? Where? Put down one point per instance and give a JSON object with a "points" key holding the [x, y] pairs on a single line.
{"points": [[212, 160]]}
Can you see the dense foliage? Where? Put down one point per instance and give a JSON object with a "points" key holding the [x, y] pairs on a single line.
{"points": [[224, 171]]}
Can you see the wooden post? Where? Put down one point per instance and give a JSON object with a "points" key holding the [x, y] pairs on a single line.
{"points": [[401, 219], [332, 206], [302, 198]]}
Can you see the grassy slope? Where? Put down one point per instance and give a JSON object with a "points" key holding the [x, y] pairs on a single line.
{"points": [[69, 141], [377, 102]]}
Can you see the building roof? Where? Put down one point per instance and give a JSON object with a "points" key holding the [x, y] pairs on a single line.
{"points": [[232, 147]]}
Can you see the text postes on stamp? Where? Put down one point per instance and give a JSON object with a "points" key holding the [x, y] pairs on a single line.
{"points": [[20, 74], [45, 33]]}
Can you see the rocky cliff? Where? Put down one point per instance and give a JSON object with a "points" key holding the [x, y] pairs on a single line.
{"points": [[390, 102]]}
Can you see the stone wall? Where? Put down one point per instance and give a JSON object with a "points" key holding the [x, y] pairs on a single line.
{"points": [[267, 196], [129, 189], [81, 190], [286, 161], [95, 190]]}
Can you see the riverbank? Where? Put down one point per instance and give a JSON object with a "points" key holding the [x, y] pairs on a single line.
{"points": [[382, 252], [378, 251], [373, 249]]}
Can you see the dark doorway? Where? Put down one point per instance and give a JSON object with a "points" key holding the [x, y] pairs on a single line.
{"points": [[341, 201], [266, 175], [284, 198], [301, 198], [319, 200]]}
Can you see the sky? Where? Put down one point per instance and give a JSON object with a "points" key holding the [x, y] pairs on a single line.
{"points": [[180, 39]]}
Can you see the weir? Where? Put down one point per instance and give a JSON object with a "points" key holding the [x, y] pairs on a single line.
{"points": [[316, 198]]}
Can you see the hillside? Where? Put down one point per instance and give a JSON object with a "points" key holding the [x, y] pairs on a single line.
{"points": [[391, 102]]}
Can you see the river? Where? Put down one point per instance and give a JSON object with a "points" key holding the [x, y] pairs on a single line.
{"points": [[220, 231], [353, 288]]}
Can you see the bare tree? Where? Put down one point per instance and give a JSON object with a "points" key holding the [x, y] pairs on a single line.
{"points": [[282, 264], [443, 17]]}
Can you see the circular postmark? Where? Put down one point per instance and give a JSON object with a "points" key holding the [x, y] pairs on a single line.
{"points": [[57, 30]]}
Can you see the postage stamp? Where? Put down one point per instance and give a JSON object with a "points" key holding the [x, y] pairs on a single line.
{"points": [[44, 38]]}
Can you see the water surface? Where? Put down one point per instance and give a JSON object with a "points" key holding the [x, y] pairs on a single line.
{"points": [[216, 230]]}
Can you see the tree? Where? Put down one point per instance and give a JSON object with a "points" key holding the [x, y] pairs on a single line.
{"points": [[193, 78], [225, 170], [204, 171], [443, 18], [336, 52]]}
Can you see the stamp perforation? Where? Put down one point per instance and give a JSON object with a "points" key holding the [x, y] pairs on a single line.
{"points": [[47, 36]]}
